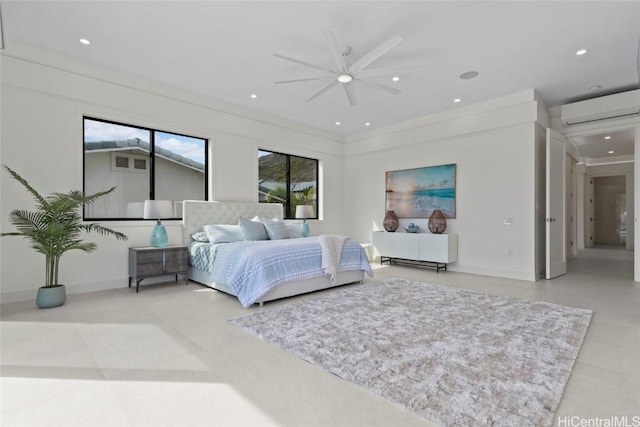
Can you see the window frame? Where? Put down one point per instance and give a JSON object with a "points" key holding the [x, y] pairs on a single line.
{"points": [[150, 163], [287, 207]]}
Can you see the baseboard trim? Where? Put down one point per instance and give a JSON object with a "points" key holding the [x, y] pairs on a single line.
{"points": [[505, 274], [78, 288]]}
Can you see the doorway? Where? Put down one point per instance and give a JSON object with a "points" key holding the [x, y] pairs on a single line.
{"points": [[610, 212], [606, 189]]}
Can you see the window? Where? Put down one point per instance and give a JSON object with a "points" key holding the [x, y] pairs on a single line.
{"points": [[143, 164], [290, 180]]}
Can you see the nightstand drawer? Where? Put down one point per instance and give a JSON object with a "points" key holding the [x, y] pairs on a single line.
{"points": [[144, 257], [150, 269], [168, 256], [176, 255], [177, 265]]}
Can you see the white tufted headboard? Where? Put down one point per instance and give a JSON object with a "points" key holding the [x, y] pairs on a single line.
{"points": [[196, 213]]}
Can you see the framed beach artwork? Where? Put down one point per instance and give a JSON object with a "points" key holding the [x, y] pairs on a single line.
{"points": [[415, 193]]}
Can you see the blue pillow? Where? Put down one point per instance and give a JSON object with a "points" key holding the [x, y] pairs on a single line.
{"points": [[223, 233], [252, 230], [276, 229]]}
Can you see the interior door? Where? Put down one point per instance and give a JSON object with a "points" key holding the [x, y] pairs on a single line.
{"points": [[592, 216], [572, 247], [610, 210], [556, 254]]}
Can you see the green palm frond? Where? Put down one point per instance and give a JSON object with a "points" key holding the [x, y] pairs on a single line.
{"points": [[40, 201], [104, 231]]}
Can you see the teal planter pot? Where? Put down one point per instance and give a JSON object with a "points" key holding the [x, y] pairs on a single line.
{"points": [[54, 296]]}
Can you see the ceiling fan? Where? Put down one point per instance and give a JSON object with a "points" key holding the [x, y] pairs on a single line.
{"points": [[346, 73]]}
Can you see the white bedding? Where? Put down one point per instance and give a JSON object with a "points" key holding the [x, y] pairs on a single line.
{"points": [[331, 247]]}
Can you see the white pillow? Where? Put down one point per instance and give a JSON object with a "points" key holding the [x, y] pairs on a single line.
{"points": [[276, 229], [294, 231], [200, 236], [223, 233], [252, 230]]}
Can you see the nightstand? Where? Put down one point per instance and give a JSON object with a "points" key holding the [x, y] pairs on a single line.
{"points": [[149, 261]]}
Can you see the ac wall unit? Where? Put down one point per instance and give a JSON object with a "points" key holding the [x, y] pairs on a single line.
{"points": [[619, 105]]}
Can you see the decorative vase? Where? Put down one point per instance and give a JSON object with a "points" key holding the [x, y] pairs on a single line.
{"points": [[49, 297], [390, 222], [437, 222], [412, 228]]}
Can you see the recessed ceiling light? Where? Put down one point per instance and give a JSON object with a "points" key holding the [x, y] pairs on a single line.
{"points": [[457, 100], [367, 124], [610, 151], [469, 75], [595, 87], [85, 41], [254, 96], [338, 123], [581, 52], [607, 137], [395, 78]]}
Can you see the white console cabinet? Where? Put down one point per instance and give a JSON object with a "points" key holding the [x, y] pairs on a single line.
{"points": [[433, 250]]}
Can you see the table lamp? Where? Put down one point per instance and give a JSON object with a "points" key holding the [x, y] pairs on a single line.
{"points": [[158, 209], [303, 212]]}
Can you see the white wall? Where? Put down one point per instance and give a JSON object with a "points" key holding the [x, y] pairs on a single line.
{"points": [[43, 99], [493, 145]]}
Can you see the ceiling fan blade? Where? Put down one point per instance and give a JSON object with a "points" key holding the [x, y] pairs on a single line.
{"points": [[323, 90], [297, 61], [383, 72], [384, 88], [303, 80], [376, 53], [335, 50], [349, 89]]}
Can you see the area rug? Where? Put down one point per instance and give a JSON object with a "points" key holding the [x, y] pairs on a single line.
{"points": [[452, 356]]}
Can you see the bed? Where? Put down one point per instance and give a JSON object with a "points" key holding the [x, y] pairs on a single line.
{"points": [[198, 214]]}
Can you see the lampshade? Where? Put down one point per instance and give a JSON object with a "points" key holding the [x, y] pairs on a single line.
{"points": [[304, 211], [158, 209]]}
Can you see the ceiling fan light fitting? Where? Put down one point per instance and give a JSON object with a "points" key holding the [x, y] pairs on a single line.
{"points": [[344, 78]]}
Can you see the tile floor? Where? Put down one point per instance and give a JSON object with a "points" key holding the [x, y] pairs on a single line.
{"points": [[166, 357]]}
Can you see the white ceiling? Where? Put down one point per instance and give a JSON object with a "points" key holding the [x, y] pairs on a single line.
{"points": [[225, 50], [611, 145]]}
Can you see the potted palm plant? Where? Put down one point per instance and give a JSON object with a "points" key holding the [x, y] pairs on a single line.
{"points": [[53, 229]]}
